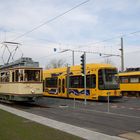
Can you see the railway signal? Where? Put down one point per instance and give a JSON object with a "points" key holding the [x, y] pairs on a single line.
{"points": [[83, 64], [83, 71]]}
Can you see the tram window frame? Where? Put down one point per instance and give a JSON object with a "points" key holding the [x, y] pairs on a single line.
{"points": [[16, 75], [76, 81], [93, 81], [21, 75], [51, 80], [63, 85], [2, 76], [90, 81], [134, 77], [31, 75], [13, 76], [124, 80], [100, 79], [5, 76]]}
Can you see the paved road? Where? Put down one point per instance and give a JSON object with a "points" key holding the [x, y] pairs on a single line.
{"points": [[124, 116]]}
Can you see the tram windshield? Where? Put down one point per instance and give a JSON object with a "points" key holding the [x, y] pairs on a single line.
{"points": [[107, 79]]}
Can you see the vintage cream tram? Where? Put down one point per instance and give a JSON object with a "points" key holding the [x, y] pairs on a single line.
{"points": [[21, 81]]}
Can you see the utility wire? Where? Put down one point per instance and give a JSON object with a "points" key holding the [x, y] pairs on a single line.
{"points": [[54, 18], [109, 39]]}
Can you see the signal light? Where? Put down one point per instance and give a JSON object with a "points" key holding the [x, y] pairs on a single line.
{"points": [[83, 64]]}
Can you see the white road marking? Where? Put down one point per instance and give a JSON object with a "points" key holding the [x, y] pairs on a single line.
{"points": [[121, 115]]}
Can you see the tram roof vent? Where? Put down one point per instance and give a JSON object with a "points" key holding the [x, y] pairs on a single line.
{"points": [[24, 61]]}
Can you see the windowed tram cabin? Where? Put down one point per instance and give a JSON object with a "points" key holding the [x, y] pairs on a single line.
{"points": [[21, 81], [69, 82]]}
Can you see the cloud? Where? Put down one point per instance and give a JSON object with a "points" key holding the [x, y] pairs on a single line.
{"points": [[95, 21]]}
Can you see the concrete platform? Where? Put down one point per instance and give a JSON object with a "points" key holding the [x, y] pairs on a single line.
{"points": [[131, 136]]}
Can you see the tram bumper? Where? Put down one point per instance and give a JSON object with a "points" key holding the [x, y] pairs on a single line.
{"points": [[25, 97]]}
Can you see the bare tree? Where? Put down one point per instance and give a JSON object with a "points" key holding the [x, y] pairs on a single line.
{"points": [[108, 61], [56, 63]]}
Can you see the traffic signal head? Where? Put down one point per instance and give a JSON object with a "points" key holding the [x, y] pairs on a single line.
{"points": [[83, 64]]}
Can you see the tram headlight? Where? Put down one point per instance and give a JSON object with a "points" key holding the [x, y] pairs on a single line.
{"points": [[108, 93], [32, 91]]}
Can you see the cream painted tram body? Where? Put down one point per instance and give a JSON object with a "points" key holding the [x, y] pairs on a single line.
{"points": [[21, 82]]}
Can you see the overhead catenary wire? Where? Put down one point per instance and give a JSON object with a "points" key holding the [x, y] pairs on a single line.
{"points": [[48, 21], [109, 39]]}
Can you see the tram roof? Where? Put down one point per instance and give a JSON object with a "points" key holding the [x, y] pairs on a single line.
{"points": [[23, 67], [129, 73], [77, 67], [22, 62]]}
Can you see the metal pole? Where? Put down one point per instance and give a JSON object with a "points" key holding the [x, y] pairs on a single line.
{"points": [[74, 102], [85, 84], [108, 102], [122, 55], [73, 57], [68, 78]]}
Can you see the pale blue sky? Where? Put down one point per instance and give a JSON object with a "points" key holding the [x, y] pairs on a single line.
{"points": [[92, 22]]}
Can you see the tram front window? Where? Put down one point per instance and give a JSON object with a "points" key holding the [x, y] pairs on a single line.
{"points": [[107, 79]]}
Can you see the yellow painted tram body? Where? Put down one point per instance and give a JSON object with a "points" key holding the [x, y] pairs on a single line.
{"points": [[69, 82], [130, 83]]}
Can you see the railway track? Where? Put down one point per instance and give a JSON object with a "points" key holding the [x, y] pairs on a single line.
{"points": [[23, 105]]}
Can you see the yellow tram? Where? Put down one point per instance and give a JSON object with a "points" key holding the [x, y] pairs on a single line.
{"points": [[21, 81], [69, 82], [130, 83]]}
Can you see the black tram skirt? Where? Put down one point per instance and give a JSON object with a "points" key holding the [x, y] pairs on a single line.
{"points": [[111, 98]]}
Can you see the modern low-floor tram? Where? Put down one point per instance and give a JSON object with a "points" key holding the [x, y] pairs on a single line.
{"points": [[101, 82], [130, 83]]}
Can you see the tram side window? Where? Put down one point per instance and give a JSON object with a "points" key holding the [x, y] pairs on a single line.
{"points": [[7, 77], [93, 81], [21, 73], [134, 80], [4, 77], [88, 81], [63, 85], [13, 76], [32, 75], [51, 82], [16, 75], [78, 81], [100, 79], [124, 80]]}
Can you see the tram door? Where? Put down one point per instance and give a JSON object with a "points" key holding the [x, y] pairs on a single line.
{"points": [[61, 86]]}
